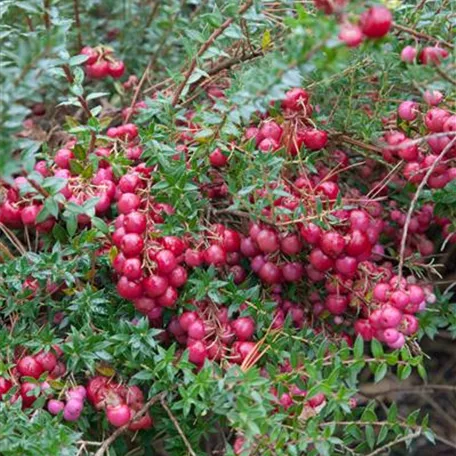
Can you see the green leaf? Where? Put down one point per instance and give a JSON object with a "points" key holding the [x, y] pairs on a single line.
{"points": [[376, 348], [404, 371], [52, 207], [370, 436], [380, 372], [358, 349], [100, 225]]}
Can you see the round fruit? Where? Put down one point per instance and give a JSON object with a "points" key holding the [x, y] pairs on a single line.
{"points": [[119, 415], [29, 367], [376, 21]]}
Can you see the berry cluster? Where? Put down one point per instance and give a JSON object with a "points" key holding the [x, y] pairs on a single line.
{"points": [[72, 406], [396, 301], [119, 402], [149, 265], [209, 333], [429, 55], [100, 64], [419, 158], [43, 367]]}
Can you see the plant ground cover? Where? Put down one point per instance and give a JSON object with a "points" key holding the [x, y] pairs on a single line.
{"points": [[227, 228]]}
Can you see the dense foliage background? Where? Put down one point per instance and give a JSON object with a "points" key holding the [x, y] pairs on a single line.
{"points": [[199, 75]]}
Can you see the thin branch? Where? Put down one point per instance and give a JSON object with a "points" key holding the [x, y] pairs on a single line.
{"points": [[177, 426], [413, 204], [445, 75], [77, 21], [215, 34], [410, 389], [46, 7], [422, 35], [105, 445], [380, 450], [4, 250], [407, 143]]}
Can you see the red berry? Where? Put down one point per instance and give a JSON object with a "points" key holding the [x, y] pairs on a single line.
{"points": [[215, 255], [291, 244], [128, 183], [91, 53], [358, 244], [132, 268], [118, 415], [128, 289], [178, 277], [27, 398], [231, 240], [197, 330], [197, 352], [376, 21], [347, 266], [320, 261], [29, 214], [332, 244], [155, 285], [166, 261], [186, 319], [364, 329], [336, 304], [128, 202], [47, 360], [62, 158], [292, 272], [5, 386], [268, 145], [135, 222], [144, 304], [131, 245], [295, 99], [268, 241], [193, 258], [270, 273], [29, 367], [98, 70], [217, 158], [116, 69], [433, 55], [244, 328], [408, 54], [351, 35], [408, 110], [271, 130], [315, 139], [168, 298]]}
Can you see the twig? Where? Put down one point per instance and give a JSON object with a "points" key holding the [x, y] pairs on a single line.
{"points": [[177, 426], [84, 105], [407, 143], [152, 13], [47, 6], [445, 441], [422, 35], [13, 239], [355, 142], [38, 188], [4, 249], [215, 34], [410, 389], [380, 450], [413, 204], [77, 21], [445, 75], [105, 445]]}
